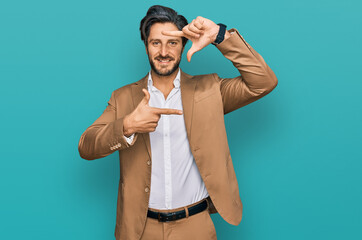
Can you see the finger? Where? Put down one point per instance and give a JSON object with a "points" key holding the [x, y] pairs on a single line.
{"points": [[188, 33], [194, 28], [146, 98], [200, 20], [167, 111], [147, 130], [156, 117], [199, 24], [173, 33], [150, 125], [191, 52], [151, 130]]}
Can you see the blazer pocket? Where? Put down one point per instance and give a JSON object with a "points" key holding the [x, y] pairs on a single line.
{"points": [[205, 95]]}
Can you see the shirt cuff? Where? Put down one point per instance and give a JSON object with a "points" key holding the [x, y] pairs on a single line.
{"points": [[129, 139]]}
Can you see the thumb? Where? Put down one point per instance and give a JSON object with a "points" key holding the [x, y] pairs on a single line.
{"points": [[191, 52], [146, 98]]}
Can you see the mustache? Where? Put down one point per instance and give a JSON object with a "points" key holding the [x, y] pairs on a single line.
{"points": [[167, 57]]}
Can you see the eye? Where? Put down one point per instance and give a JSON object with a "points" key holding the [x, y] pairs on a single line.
{"points": [[173, 43], [155, 43]]}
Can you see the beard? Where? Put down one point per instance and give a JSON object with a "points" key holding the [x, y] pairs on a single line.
{"points": [[163, 71]]}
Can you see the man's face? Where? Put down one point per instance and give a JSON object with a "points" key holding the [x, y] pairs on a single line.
{"points": [[164, 52]]}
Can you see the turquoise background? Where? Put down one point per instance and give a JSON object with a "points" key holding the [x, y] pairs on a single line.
{"points": [[296, 152]]}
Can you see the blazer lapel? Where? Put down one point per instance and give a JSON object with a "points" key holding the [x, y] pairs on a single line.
{"points": [[137, 96], [187, 85]]}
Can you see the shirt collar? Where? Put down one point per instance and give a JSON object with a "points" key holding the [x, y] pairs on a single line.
{"points": [[176, 81]]}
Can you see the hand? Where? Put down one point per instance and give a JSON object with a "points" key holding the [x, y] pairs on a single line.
{"points": [[200, 31], [145, 118]]}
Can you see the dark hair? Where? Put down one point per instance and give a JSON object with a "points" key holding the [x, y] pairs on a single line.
{"points": [[161, 14]]}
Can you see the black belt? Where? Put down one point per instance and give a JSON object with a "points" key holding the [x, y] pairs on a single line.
{"points": [[166, 217]]}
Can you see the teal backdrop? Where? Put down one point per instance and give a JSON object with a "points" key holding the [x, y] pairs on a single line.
{"points": [[296, 152]]}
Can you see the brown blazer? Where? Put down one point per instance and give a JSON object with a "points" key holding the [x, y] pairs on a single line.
{"points": [[205, 100]]}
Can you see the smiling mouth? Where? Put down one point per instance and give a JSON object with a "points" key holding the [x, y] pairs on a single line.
{"points": [[164, 60]]}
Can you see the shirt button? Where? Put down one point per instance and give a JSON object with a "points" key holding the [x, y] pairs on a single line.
{"points": [[148, 162], [147, 189]]}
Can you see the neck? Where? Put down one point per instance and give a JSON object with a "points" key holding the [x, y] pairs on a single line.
{"points": [[163, 81]]}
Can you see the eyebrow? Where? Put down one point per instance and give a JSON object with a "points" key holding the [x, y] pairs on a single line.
{"points": [[169, 40]]}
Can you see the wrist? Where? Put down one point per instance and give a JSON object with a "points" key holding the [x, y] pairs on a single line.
{"points": [[127, 128], [226, 36], [215, 32], [221, 35]]}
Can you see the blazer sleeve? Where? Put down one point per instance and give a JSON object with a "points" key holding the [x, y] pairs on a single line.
{"points": [[256, 78], [105, 135]]}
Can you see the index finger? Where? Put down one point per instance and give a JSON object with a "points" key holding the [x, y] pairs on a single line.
{"points": [[173, 33], [167, 111]]}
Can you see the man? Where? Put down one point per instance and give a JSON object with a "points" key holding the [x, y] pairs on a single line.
{"points": [[168, 127]]}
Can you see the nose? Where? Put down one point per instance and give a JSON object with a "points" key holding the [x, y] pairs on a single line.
{"points": [[164, 50]]}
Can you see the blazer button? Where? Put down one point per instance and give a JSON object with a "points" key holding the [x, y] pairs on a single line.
{"points": [[147, 189], [148, 162]]}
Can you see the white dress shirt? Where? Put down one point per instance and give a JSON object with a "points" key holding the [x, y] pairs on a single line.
{"points": [[175, 178]]}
